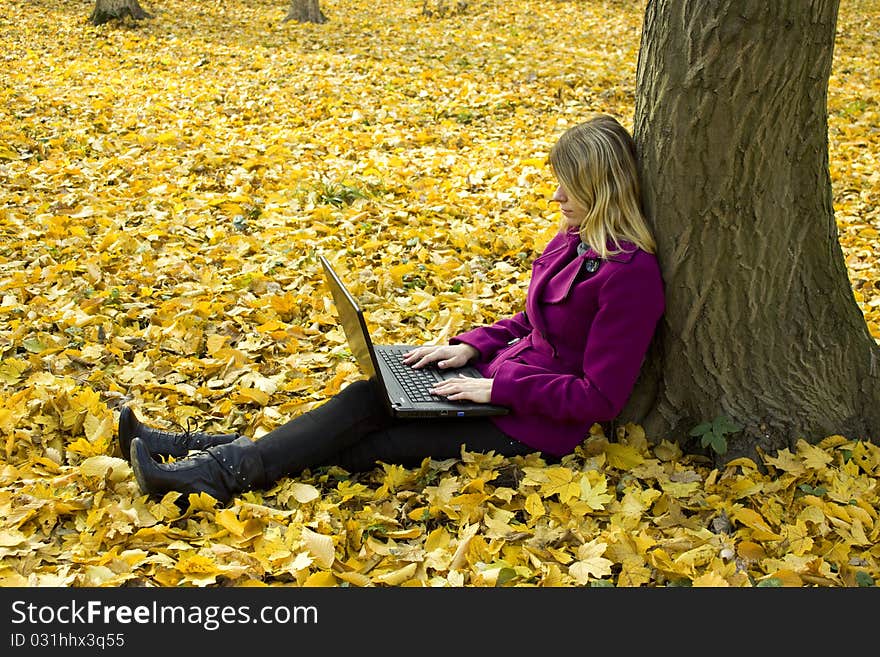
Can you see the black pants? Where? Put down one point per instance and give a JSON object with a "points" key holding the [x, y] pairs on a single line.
{"points": [[354, 430]]}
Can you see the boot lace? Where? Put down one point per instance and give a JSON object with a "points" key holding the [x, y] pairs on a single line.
{"points": [[189, 431]]}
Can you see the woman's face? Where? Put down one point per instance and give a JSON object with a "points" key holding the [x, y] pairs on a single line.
{"points": [[573, 211]]}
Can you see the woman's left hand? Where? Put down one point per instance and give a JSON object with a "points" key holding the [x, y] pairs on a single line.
{"points": [[465, 388]]}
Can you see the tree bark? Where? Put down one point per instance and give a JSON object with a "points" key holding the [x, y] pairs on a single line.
{"points": [[106, 10], [305, 11], [761, 322]]}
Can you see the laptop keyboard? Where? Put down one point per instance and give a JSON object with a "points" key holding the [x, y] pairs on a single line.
{"points": [[416, 383]]}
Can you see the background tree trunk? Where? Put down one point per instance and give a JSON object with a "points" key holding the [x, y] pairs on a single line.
{"points": [[106, 10], [443, 8], [305, 11], [761, 322]]}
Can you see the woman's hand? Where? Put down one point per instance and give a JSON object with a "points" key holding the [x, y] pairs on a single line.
{"points": [[465, 388], [444, 356]]}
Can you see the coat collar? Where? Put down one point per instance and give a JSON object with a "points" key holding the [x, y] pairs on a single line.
{"points": [[627, 252], [556, 270]]}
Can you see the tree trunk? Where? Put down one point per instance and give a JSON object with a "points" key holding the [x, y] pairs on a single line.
{"points": [[761, 323], [442, 8], [106, 10], [305, 11]]}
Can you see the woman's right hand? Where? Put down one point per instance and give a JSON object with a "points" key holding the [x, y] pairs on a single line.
{"points": [[444, 356]]}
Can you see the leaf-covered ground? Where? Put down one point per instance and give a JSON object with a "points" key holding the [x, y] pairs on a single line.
{"points": [[164, 191]]}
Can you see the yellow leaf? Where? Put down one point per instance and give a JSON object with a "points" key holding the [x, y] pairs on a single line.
{"points": [[11, 370], [202, 501], [397, 577], [98, 576], [356, 579], [404, 534], [711, 580], [751, 551], [554, 481], [99, 430], [786, 461], [460, 555], [788, 577], [304, 493], [11, 538], [198, 568], [399, 271], [754, 521], [623, 457], [8, 420], [595, 495], [348, 490], [271, 325], [590, 564], [84, 447], [252, 396], [679, 489], [421, 513], [561, 556], [814, 457], [534, 506], [215, 343], [227, 519], [497, 522], [437, 539], [320, 547], [109, 467], [167, 138]]}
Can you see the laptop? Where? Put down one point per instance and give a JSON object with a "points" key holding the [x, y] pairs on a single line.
{"points": [[406, 388]]}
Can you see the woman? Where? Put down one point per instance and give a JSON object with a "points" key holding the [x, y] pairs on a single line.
{"points": [[570, 359]]}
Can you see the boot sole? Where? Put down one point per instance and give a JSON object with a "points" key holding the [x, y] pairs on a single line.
{"points": [[136, 467], [125, 431]]}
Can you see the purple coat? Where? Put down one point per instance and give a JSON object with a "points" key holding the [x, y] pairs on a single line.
{"points": [[573, 357]]}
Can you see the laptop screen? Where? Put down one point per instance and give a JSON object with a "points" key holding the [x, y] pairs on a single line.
{"points": [[352, 320]]}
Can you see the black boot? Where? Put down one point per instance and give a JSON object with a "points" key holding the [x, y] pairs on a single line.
{"points": [[164, 443], [221, 471]]}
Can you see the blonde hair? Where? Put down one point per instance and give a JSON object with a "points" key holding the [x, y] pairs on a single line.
{"points": [[595, 162]]}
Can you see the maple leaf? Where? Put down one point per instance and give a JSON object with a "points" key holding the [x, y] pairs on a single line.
{"points": [[798, 537], [786, 461], [814, 457], [553, 481], [590, 563], [595, 494], [497, 522]]}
